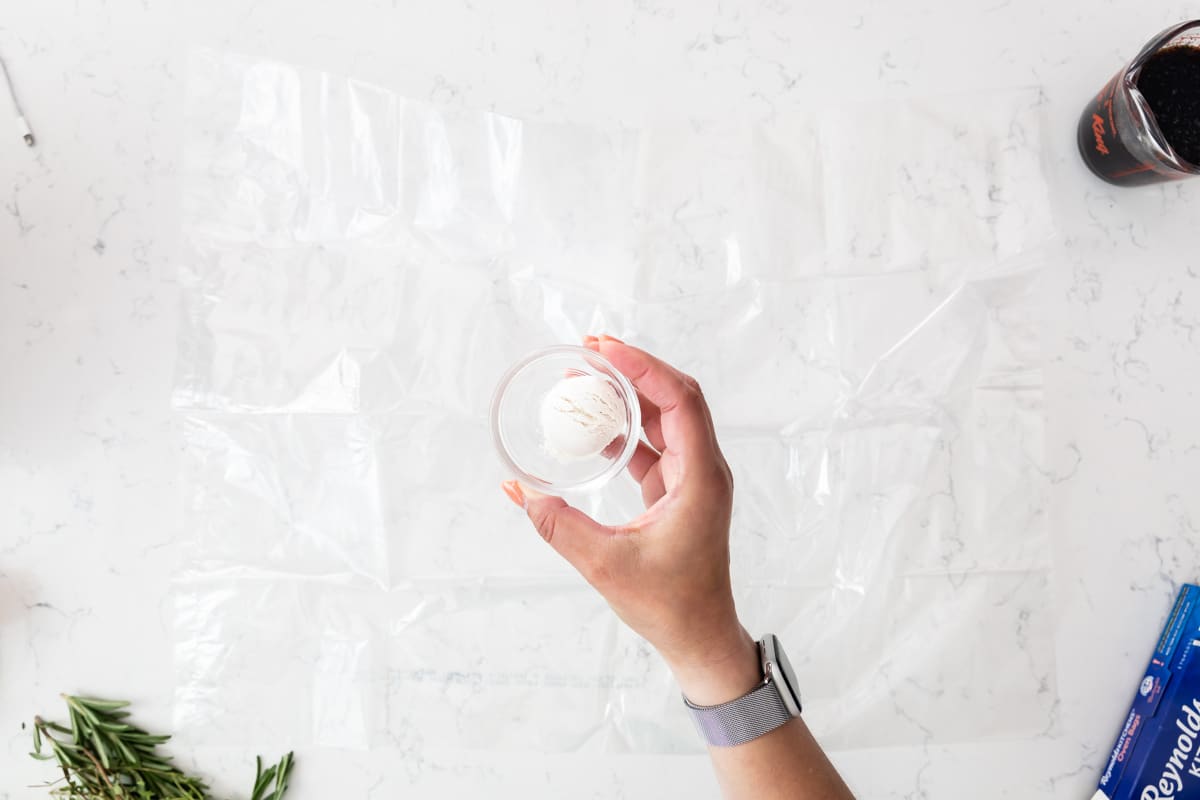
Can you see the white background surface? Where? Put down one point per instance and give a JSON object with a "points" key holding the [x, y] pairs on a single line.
{"points": [[88, 450]]}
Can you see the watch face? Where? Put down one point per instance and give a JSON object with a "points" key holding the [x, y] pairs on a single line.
{"points": [[780, 670]]}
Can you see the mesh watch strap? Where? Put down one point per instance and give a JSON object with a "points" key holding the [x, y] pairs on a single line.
{"points": [[752, 715]]}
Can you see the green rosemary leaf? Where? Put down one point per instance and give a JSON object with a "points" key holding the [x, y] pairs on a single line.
{"points": [[77, 725], [87, 713], [102, 752], [96, 704], [261, 782], [64, 755], [71, 746], [145, 738], [113, 727], [127, 752], [281, 776]]}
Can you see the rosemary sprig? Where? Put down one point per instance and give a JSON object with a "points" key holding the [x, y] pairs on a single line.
{"points": [[104, 757]]}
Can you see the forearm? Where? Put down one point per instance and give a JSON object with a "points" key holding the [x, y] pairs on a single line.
{"points": [[785, 763]]}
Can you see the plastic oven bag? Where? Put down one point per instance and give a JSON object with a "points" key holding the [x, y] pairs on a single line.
{"points": [[852, 289]]}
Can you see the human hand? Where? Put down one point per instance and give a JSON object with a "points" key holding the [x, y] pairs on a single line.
{"points": [[666, 572]]}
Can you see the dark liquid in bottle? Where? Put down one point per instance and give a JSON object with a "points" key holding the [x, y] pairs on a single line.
{"points": [[1103, 150], [1111, 139], [1170, 82]]}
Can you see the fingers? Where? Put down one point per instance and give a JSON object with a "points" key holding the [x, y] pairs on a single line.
{"points": [[646, 469], [644, 457], [574, 535], [683, 415], [651, 423]]}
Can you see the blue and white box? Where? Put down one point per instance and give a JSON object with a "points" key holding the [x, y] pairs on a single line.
{"points": [[1157, 754]]}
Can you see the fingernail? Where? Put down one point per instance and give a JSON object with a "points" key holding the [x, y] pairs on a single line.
{"points": [[513, 490], [605, 337]]}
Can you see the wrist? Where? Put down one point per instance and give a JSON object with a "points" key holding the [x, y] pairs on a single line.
{"points": [[719, 674]]}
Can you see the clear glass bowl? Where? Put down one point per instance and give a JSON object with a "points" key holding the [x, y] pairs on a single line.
{"points": [[517, 428]]}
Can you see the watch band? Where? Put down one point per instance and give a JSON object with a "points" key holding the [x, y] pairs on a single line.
{"points": [[758, 712]]}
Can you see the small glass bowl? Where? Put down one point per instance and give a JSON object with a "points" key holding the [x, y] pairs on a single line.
{"points": [[517, 429]]}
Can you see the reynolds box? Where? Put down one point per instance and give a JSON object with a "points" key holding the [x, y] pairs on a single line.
{"points": [[1157, 755]]}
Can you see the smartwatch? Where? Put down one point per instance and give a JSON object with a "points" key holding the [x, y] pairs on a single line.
{"points": [[758, 712]]}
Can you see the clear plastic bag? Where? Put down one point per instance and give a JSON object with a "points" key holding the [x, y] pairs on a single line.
{"points": [[358, 270]]}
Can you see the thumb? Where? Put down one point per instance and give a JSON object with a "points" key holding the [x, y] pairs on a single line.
{"points": [[572, 533]]}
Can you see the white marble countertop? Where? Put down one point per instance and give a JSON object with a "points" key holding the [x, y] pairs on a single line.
{"points": [[89, 505]]}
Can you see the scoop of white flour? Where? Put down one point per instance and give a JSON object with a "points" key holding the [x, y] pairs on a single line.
{"points": [[581, 415]]}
